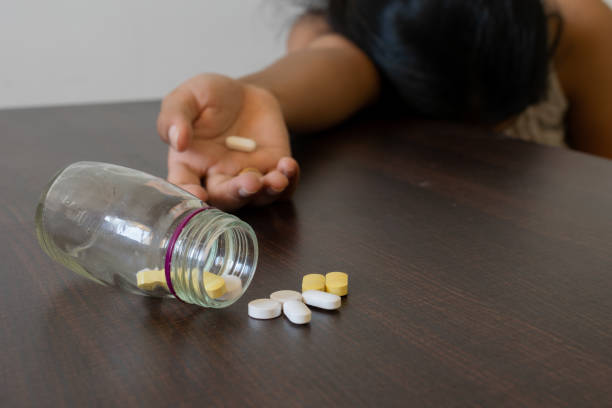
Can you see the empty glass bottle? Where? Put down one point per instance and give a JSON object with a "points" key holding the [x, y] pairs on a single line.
{"points": [[125, 228]]}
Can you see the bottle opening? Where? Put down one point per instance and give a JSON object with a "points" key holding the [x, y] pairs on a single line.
{"points": [[213, 258]]}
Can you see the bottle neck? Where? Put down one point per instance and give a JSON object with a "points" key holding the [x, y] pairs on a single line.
{"points": [[208, 242]]}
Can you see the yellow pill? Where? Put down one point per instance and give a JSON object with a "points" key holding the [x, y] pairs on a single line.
{"points": [[151, 279], [250, 170], [214, 285], [313, 281], [336, 283]]}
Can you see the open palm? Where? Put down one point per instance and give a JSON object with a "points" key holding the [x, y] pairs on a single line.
{"points": [[195, 120]]}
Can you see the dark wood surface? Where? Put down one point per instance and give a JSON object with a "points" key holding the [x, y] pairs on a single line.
{"points": [[480, 275]]}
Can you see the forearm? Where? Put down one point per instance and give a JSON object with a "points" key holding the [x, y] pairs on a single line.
{"points": [[584, 65], [320, 85]]}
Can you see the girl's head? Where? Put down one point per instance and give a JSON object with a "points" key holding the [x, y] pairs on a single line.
{"points": [[469, 60]]}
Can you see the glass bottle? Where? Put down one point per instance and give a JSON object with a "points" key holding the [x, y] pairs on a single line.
{"points": [[125, 228]]}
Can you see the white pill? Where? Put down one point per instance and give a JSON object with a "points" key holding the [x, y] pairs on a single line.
{"points": [[241, 144], [321, 299], [264, 309], [286, 295], [297, 312], [233, 287]]}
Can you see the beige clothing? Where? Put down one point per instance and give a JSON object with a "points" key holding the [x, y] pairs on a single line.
{"points": [[543, 123]]}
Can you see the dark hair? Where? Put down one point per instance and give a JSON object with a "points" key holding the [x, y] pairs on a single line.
{"points": [[468, 60]]}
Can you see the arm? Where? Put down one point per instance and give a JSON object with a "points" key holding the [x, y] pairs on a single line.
{"points": [[584, 63], [322, 80]]}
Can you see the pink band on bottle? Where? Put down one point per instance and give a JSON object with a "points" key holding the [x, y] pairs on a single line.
{"points": [[170, 249]]}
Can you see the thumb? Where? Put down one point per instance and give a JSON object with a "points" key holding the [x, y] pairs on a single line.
{"points": [[179, 110]]}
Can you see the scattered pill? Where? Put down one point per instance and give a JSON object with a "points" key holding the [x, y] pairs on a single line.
{"points": [[336, 283], [151, 279], [317, 290], [283, 296], [321, 299], [241, 144], [297, 312], [264, 309], [233, 287], [313, 281]]}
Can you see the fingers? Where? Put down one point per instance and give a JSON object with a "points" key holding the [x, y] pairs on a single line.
{"points": [[274, 184], [280, 183], [196, 190], [178, 111], [291, 169], [250, 186], [229, 193], [187, 179]]}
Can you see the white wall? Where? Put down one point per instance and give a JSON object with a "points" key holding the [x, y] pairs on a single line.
{"points": [[74, 51]]}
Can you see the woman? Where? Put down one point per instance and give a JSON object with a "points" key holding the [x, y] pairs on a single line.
{"points": [[540, 72]]}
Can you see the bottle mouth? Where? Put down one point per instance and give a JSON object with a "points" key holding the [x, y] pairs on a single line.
{"points": [[211, 258]]}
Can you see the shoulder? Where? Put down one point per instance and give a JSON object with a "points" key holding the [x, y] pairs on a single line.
{"points": [[585, 44], [584, 65], [311, 30], [306, 28]]}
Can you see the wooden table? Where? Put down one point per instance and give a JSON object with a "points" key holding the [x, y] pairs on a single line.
{"points": [[480, 275]]}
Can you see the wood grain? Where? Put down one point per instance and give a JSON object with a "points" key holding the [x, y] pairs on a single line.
{"points": [[480, 275]]}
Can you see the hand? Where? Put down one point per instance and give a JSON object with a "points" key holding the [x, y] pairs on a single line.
{"points": [[196, 118]]}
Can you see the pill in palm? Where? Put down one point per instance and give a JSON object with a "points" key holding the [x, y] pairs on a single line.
{"points": [[233, 287], [264, 309], [321, 299], [250, 170], [297, 312], [151, 279], [313, 281], [241, 144], [336, 283], [283, 296]]}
